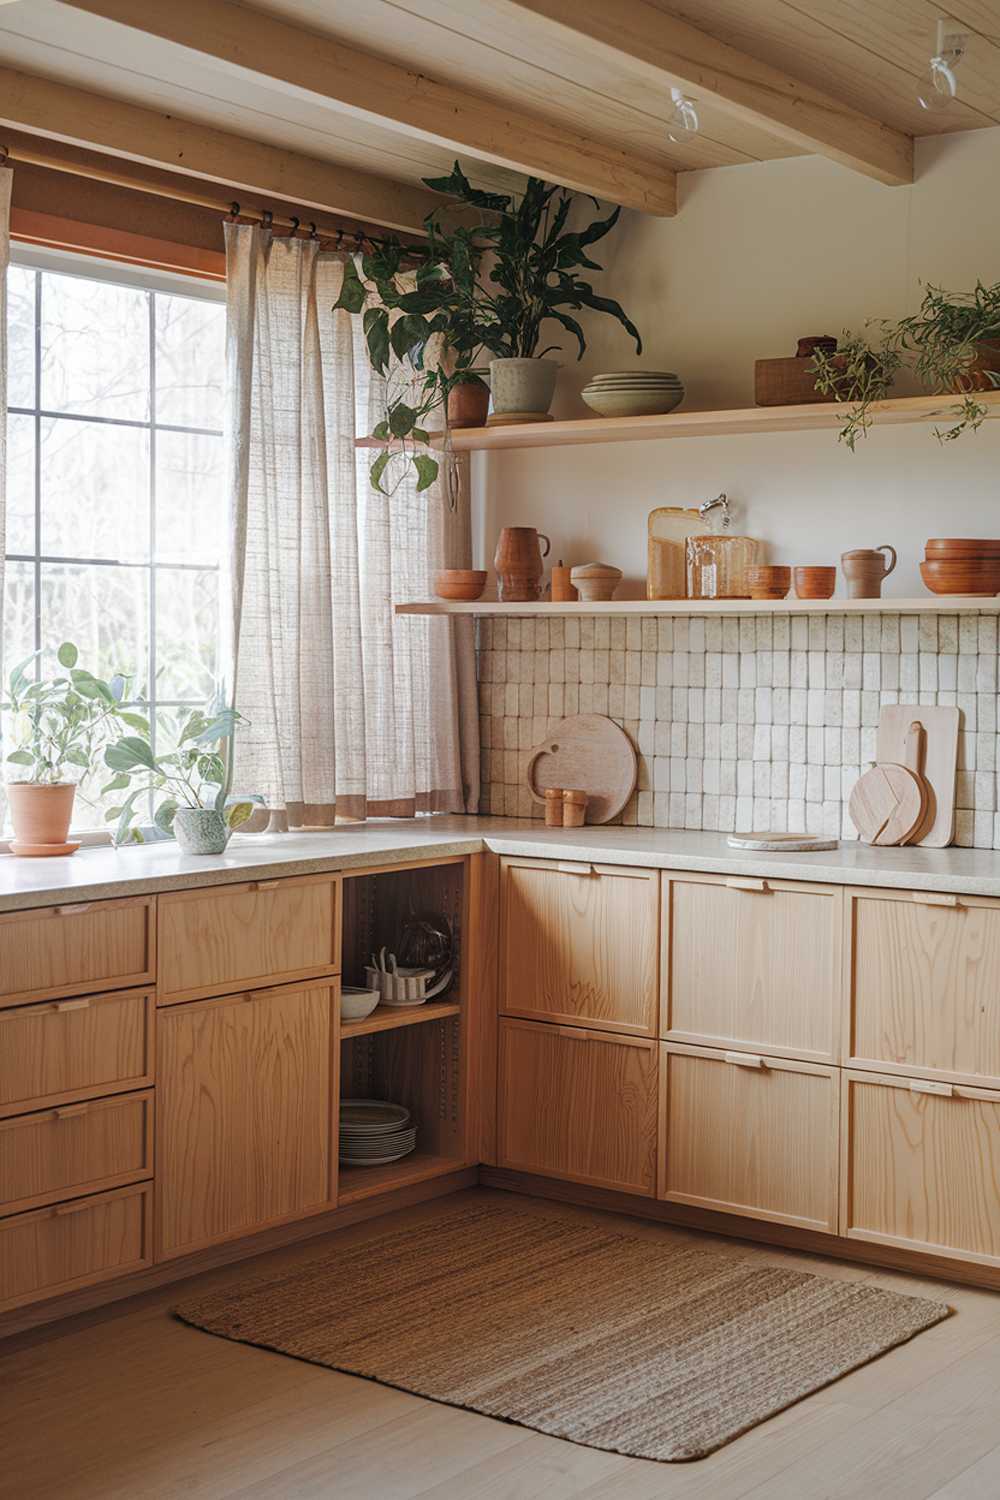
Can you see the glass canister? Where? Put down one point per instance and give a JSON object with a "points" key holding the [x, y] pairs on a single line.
{"points": [[669, 527], [716, 563]]}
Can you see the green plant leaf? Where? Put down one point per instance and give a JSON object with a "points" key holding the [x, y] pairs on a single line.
{"points": [[401, 419], [164, 816], [407, 336], [381, 430], [352, 292], [376, 327], [377, 470], [130, 753], [67, 655], [238, 813], [77, 758], [117, 784], [21, 758], [136, 721], [427, 471]]}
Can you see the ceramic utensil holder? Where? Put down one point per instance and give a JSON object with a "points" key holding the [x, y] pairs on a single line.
{"points": [[399, 986]]}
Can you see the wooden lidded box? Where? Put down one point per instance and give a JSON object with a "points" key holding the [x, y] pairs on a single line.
{"points": [[791, 382]]}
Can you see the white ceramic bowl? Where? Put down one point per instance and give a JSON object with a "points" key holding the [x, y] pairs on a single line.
{"points": [[356, 1003]]}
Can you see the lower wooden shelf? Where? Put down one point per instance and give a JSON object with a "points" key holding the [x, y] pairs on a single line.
{"points": [[365, 1182], [388, 1018]]}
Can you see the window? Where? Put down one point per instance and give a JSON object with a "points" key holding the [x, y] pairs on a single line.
{"points": [[114, 488]]}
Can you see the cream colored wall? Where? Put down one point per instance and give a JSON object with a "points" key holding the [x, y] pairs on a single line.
{"points": [[758, 256]]}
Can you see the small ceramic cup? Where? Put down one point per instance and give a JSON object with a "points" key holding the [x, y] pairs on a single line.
{"points": [[815, 582], [771, 582]]}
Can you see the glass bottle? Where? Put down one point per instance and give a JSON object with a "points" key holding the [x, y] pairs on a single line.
{"points": [[716, 561], [669, 527]]}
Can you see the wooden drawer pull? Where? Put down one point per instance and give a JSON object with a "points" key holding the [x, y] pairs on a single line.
{"points": [[934, 898], [747, 883], [72, 910], [926, 1086], [569, 867], [266, 885], [72, 1208], [69, 1111], [744, 1059], [62, 1005]]}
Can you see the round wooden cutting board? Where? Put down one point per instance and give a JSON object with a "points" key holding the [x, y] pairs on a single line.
{"points": [[592, 754], [887, 804]]}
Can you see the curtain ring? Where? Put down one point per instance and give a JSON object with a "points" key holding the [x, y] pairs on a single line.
{"points": [[359, 239], [340, 237], [295, 227], [4, 155], [234, 210], [267, 218], [313, 235]]}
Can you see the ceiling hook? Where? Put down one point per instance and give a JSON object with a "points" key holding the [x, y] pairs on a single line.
{"points": [[340, 237], [234, 210], [313, 234], [295, 226], [267, 218]]}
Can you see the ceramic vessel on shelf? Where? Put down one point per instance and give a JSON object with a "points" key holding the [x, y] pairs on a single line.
{"points": [[201, 830], [468, 403], [815, 582], [523, 387], [518, 563], [716, 566], [668, 529], [767, 582], [634, 393], [865, 569], [460, 583], [962, 565], [561, 579], [596, 582], [356, 1003]]}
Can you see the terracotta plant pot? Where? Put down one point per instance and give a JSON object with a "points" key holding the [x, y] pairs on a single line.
{"points": [[41, 816], [468, 403]]}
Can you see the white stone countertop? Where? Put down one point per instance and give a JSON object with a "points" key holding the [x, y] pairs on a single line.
{"points": [[96, 874]]}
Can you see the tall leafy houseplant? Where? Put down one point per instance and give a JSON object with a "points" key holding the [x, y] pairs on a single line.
{"points": [[952, 344]]}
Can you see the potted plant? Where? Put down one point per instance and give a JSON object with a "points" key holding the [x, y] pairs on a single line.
{"points": [[193, 778], [62, 723], [952, 344]]}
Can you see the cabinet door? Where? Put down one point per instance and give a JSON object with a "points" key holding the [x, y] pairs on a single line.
{"points": [[921, 1166], [753, 964], [925, 984], [579, 1105], [579, 944], [243, 1114], [76, 949], [750, 1135]]}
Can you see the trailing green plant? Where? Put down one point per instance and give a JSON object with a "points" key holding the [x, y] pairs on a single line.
{"points": [[943, 345], [195, 774], [62, 722], [467, 291]]}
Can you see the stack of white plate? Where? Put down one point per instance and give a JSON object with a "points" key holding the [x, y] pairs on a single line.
{"points": [[634, 393], [374, 1132]]}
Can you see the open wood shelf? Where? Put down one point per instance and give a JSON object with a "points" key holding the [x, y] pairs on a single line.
{"points": [[942, 604], [817, 416], [388, 1017], [365, 1182]]}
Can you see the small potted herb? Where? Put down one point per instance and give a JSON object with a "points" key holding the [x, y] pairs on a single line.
{"points": [[193, 780], [62, 723]]}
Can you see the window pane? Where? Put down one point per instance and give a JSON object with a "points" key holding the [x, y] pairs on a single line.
{"points": [[187, 625], [18, 616], [95, 348], [95, 490], [20, 483], [20, 336], [105, 612], [188, 497], [190, 361]]}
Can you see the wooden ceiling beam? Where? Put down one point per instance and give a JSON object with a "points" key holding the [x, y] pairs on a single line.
{"points": [[673, 52], [62, 112], [357, 83]]}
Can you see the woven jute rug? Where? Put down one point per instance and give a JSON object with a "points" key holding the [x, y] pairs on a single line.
{"points": [[658, 1349]]}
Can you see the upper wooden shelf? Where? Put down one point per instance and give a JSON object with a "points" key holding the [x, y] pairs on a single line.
{"points": [[817, 416], [941, 604]]}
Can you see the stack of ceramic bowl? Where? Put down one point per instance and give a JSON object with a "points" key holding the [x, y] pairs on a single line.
{"points": [[374, 1132], [634, 393], [962, 565]]}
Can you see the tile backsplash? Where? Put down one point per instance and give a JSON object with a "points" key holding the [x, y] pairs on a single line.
{"points": [[742, 721]]}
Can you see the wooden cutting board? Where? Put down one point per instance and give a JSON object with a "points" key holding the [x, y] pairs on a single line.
{"points": [[887, 805], [591, 753], [940, 759]]}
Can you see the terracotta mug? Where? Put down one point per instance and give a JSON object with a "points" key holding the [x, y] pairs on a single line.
{"points": [[865, 568], [518, 563], [814, 582]]}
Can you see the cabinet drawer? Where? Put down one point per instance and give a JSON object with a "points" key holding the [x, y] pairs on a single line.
{"points": [[925, 984], [53, 1250], [72, 950], [921, 1170], [269, 931], [75, 1149], [750, 1135], [578, 1104], [579, 944], [75, 1049], [754, 964]]}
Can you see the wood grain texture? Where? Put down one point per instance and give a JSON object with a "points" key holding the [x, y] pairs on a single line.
{"points": [[75, 1149], [941, 726], [578, 944], [484, 974], [754, 968], [919, 1170], [54, 1250], [55, 1052], [578, 1104], [76, 949], [886, 805], [244, 1105], [218, 940], [925, 986], [746, 1140]]}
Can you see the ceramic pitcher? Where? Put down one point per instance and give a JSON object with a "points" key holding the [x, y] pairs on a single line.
{"points": [[865, 568], [518, 562]]}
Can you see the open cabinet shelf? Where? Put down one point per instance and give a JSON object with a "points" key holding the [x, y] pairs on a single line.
{"points": [[365, 1182], [388, 1018], [939, 604]]}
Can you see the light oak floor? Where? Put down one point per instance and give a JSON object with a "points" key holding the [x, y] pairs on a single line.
{"points": [[129, 1404]]}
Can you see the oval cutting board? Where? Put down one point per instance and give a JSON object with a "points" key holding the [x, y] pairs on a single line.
{"points": [[591, 753]]}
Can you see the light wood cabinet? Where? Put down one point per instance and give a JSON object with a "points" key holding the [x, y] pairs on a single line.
{"points": [[76, 949], [753, 964], [75, 1049], [266, 932], [923, 992], [54, 1250], [921, 1165], [75, 1149], [750, 1135], [244, 1108], [579, 944], [578, 1104]]}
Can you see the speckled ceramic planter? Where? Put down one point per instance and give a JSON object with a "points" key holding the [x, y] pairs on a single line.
{"points": [[522, 385], [201, 830]]}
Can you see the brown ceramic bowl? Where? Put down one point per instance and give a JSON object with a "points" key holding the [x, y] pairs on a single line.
{"points": [[970, 579], [771, 582], [947, 549], [460, 584], [815, 582]]}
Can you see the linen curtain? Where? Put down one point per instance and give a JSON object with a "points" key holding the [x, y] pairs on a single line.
{"points": [[352, 711], [6, 184]]}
